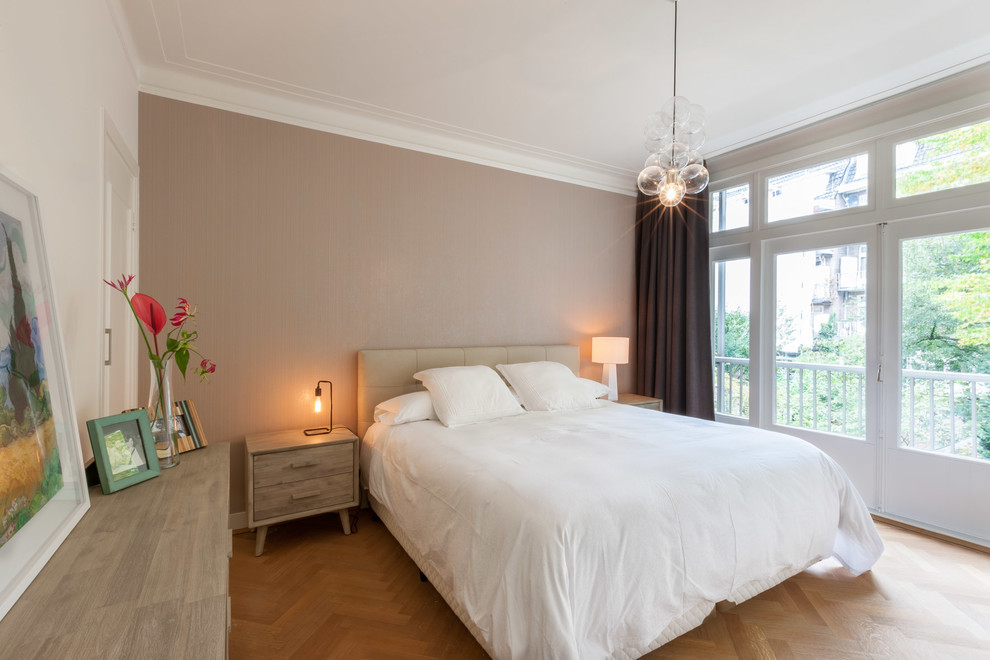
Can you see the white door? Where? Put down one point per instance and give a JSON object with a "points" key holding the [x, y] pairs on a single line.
{"points": [[937, 384], [822, 350], [120, 206]]}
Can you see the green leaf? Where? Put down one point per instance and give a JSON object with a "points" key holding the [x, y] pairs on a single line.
{"points": [[181, 360], [171, 345]]}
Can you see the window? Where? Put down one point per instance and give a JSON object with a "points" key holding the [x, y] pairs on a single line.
{"points": [[945, 344], [730, 294], [831, 186], [730, 208], [866, 331], [821, 340], [956, 158]]}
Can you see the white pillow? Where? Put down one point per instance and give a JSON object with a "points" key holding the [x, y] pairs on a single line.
{"points": [[466, 395], [551, 386], [412, 407]]}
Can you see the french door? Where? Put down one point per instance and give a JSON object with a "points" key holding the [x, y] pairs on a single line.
{"points": [[936, 461], [821, 347], [875, 351]]}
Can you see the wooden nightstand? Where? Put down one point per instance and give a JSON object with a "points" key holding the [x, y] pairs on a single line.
{"points": [[640, 401], [291, 475]]}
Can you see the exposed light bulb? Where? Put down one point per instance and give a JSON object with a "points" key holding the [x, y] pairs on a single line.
{"points": [[318, 406], [672, 192]]}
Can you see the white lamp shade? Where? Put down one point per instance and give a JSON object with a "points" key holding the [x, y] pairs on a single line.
{"points": [[610, 350]]}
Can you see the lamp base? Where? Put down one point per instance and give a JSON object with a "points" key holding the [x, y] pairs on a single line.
{"points": [[320, 430], [609, 379]]}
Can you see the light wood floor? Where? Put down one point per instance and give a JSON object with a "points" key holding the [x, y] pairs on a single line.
{"points": [[316, 593]]}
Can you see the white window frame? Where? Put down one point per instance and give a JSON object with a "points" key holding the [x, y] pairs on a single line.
{"points": [[951, 199], [732, 253], [811, 161], [728, 184]]}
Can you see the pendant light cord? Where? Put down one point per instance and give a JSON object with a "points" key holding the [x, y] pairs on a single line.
{"points": [[674, 113], [675, 47]]}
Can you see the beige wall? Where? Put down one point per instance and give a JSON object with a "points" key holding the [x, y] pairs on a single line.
{"points": [[300, 248]]}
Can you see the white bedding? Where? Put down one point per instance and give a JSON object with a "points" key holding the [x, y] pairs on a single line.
{"points": [[603, 533]]}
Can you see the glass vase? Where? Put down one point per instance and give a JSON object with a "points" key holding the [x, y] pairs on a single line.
{"points": [[162, 415]]}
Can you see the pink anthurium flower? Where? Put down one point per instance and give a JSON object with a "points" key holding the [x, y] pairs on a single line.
{"points": [[150, 312]]}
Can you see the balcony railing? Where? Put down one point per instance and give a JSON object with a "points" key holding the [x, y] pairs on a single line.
{"points": [[942, 412], [732, 386], [946, 412], [823, 397]]}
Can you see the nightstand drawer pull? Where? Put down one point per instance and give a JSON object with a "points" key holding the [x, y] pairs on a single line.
{"points": [[296, 466], [302, 496]]}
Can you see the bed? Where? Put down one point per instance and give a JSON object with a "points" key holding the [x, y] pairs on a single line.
{"points": [[599, 531]]}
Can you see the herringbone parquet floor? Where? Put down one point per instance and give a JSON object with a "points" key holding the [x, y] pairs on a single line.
{"points": [[316, 593]]}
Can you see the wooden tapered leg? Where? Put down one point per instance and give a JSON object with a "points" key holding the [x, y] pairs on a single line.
{"points": [[259, 541]]}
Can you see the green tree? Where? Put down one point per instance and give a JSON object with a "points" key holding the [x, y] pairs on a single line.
{"points": [[737, 334], [956, 158], [945, 316]]}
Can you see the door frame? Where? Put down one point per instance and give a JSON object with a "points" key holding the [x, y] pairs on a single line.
{"points": [[114, 140]]}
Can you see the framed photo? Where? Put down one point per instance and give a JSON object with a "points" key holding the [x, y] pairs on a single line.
{"points": [[188, 427], [124, 450], [43, 490]]}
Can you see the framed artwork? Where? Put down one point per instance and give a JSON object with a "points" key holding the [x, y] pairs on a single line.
{"points": [[43, 490], [188, 427], [124, 450]]}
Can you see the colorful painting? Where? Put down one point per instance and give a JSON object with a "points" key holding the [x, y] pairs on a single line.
{"points": [[30, 469]]}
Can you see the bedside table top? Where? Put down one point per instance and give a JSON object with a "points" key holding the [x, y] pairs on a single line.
{"points": [[636, 399], [263, 443]]}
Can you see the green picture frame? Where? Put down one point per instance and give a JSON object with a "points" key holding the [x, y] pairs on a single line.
{"points": [[124, 450]]}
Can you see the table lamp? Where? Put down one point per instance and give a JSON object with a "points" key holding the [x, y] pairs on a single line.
{"points": [[610, 351], [318, 406]]}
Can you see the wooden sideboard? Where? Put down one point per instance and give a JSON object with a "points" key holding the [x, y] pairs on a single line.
{"points": [[143, 575]]}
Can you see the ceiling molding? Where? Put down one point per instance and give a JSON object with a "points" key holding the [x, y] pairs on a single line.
{"points": [[383, 127], [844, 103], [551, 89]]}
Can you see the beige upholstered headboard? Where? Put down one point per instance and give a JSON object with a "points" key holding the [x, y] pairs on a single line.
{"points": [[385, 373]]}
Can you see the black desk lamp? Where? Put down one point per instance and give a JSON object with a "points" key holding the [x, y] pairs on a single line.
{"points": [[320, 430]]}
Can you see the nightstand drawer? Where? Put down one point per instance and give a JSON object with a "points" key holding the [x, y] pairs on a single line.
{"points": [[297, 496], [306, 463]]}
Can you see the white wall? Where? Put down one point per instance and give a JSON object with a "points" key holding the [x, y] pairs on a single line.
{"points": [[61, 66]]}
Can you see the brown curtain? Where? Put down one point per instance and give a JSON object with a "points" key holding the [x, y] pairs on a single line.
{"points": [[673, 318]]}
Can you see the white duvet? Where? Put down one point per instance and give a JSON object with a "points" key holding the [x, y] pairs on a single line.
{"points": [[603, 533]]}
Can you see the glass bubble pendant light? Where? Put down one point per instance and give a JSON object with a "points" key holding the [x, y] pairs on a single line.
{"points": [[674, 134]]}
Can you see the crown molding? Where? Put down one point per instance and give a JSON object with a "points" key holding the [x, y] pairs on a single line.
{"points": [[381, 126]]}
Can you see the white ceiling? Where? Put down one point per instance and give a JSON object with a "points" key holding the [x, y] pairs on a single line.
{"points": [[558, 88]]}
